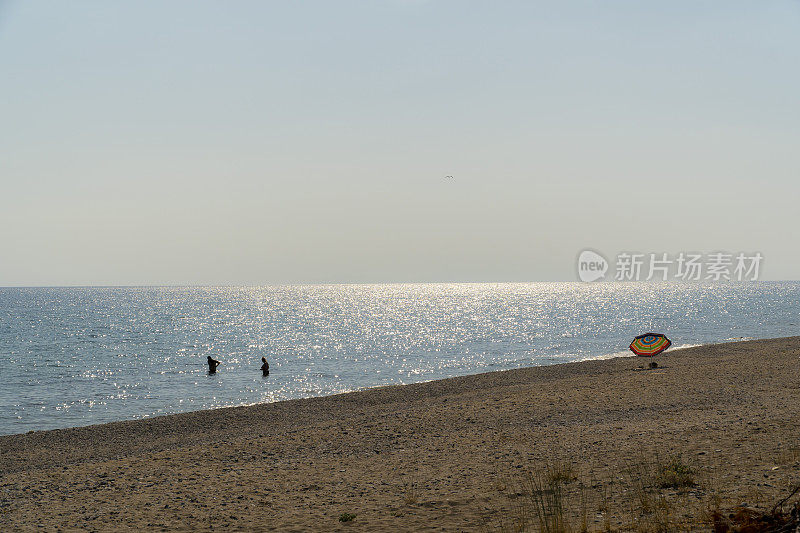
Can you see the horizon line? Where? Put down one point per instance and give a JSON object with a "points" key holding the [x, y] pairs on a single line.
{"points": [[324, 283]]}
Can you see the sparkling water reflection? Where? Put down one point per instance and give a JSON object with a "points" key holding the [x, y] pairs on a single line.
{"points": [[78, 356]]}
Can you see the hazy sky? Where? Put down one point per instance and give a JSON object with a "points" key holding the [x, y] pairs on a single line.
{"points": [[190, 142]]}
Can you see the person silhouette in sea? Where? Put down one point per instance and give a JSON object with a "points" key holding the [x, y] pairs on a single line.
{"points": [[212, 365], [264, 367]]}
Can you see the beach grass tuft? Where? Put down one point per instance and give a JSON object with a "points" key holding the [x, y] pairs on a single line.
{"points": [[674, 473], [560, 472], [538, 503], [411, 494], [788, 455]]}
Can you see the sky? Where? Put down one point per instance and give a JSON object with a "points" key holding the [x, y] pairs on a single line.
{"points": [[257, 142]]}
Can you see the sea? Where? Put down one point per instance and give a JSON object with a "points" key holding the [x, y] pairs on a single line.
{"points": [[78, 356]]}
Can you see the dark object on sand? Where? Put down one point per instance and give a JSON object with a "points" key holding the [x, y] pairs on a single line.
{"points": [[264, 367], [650, 344], [212, 365], [653, 364], [749, 520]]}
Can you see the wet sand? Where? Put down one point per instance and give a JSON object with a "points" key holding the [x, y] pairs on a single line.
{"points": [[444, 455]]}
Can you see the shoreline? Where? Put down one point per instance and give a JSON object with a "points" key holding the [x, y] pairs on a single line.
{"points": [[603, 357], [403, 457], [188, 421]]}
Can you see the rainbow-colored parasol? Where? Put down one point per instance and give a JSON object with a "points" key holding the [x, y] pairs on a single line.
{"points": [[650, 344]]}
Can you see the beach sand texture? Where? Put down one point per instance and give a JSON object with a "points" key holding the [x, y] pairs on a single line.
{"points": [[443, 455]]}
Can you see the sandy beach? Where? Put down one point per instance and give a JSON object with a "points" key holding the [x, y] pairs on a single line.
{"points": [[447, 455]]}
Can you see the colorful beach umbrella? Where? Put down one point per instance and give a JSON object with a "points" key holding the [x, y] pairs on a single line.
{"points": [[650, 344]]}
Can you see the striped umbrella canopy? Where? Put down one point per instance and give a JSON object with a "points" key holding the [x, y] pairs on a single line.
{"points": [[650, 344]]}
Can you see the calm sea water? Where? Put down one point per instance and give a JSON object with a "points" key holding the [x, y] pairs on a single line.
{"points": [[80, 356]]}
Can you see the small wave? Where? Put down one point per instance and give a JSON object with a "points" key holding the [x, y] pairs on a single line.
{"points": [[614, 355], [684, 346], [628, 353]]}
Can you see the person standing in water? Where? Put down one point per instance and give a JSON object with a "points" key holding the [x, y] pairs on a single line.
{"points": [[264, 367], [212, 365]]}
